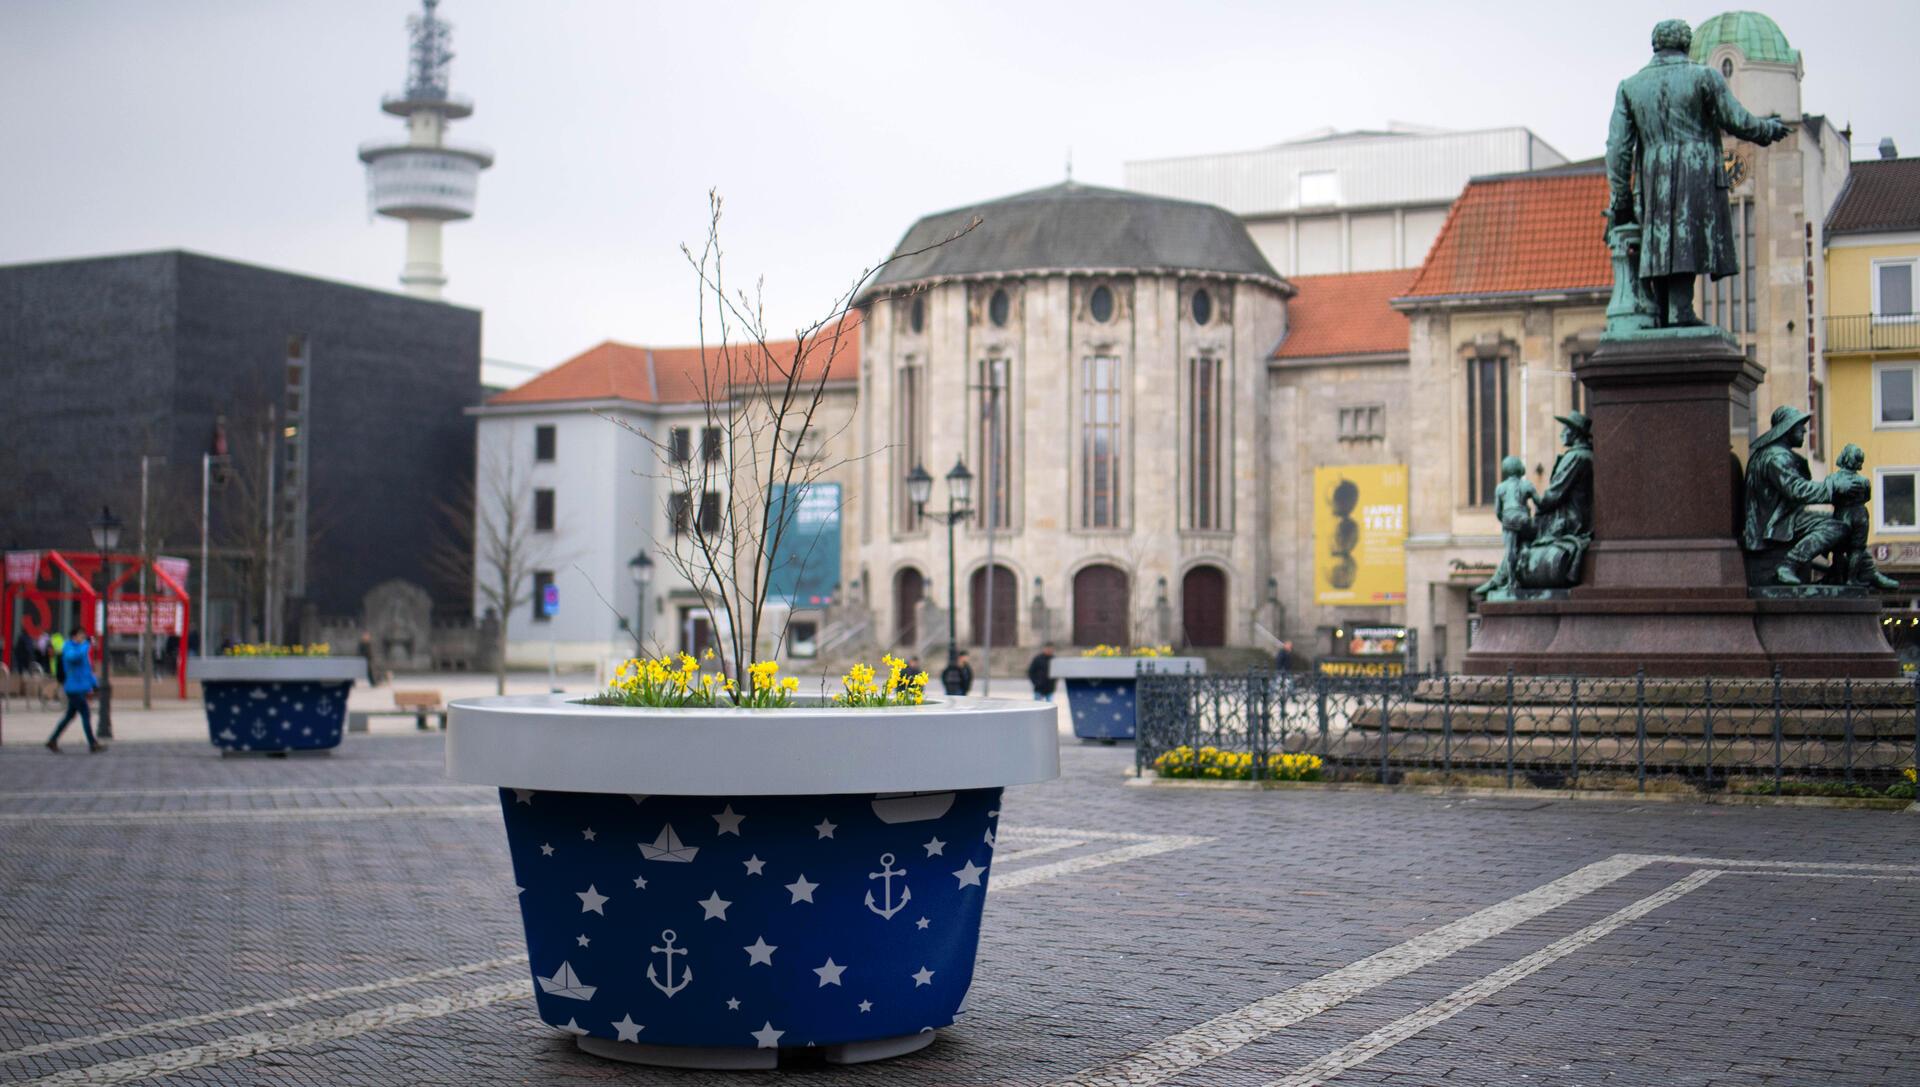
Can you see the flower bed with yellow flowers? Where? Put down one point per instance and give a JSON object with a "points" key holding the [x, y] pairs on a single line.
{"points": [[317, 649], [1214, 764], [1137, 651], [677, 681]]}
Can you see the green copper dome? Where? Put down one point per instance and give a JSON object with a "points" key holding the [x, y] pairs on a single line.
{"points": [[1755, 35]]}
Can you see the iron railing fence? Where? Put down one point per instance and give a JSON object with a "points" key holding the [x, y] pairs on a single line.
{"points": [[1556, 731], [1873, 332]]}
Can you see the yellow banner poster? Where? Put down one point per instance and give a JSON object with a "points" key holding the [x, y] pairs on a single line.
{"points": [[1360, 534]]}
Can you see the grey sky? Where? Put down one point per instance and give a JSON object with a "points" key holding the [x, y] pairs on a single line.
{"points": [[231, 127]]}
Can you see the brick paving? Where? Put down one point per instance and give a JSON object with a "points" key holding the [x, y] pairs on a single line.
{"points": [[351, 920]]}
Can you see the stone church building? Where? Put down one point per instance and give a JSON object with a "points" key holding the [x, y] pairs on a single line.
{"points": [[1099, 361]]}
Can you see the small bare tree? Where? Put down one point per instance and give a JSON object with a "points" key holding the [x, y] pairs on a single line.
{"points": [[491, 527], [764, 399]]}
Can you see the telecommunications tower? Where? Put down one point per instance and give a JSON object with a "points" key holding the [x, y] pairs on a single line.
{"points": [[425, 181]]}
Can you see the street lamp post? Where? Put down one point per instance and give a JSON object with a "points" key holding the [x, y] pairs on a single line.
{"points": [[959, 493], [106, 537], [640, 567]]}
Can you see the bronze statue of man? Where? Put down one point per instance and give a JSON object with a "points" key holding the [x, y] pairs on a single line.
{"points": [[1665, 172], [1780, 487]]}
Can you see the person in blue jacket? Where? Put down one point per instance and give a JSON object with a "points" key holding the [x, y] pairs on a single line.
{"points": [[77, 666]]}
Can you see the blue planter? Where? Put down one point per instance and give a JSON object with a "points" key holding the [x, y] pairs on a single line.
{"points": [[710, 887], [270, 715], [275, 704], [1102, 709], [1100, 691], [751, 923]]}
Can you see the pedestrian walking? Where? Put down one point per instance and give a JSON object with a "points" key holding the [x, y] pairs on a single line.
{"points": [[24, 658], [957, 678], [1040, 674], [77, 667]]}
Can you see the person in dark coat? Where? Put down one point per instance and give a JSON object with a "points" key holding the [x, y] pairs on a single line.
{"points": [[1667, 121], [1283, 659], [957, 677], [77, 666], [24, 658], [1040, 673]]}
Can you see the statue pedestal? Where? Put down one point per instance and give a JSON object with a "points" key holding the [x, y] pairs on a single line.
{"points": [[1665, 586]]}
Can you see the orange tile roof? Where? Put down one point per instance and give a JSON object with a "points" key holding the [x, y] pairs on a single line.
{"points": [[679, 375], [1521, 233], [1350, 314]]}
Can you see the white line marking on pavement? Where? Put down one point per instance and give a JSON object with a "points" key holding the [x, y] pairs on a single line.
{"points": [[242, 815], [280, 1004], [1228, 1032], [1372, 1045], [1885, 878], [1055, 846], [252, 1045], [1731, 862], [1024, 876], [245, 790]]}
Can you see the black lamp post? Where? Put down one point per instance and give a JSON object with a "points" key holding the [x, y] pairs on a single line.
{"points": [[959, 494], [106, 537], [640, 568]]}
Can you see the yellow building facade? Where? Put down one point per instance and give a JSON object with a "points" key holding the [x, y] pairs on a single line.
{"points": [[1871, 339]]}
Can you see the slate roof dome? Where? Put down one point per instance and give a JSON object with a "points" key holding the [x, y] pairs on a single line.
{"points": [[1756, 36], [1073, 227]]}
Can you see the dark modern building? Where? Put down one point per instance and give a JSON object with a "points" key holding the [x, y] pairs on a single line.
{"points": [[340, 408]]}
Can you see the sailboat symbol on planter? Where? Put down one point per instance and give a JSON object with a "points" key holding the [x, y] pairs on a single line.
{"points": [[887, 872], [565, 982], [669, 847], [667, 953]]}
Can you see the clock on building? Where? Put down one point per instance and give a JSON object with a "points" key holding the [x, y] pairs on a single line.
{"points": [[1735, 165]]}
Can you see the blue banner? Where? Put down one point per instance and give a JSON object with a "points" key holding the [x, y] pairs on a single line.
{"points": [[805, 571]]}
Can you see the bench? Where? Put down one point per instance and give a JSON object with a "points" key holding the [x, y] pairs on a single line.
{"points": [[419, 705]]}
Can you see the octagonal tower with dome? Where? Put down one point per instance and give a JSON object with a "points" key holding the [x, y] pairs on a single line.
{"points": [[1098, 361]]}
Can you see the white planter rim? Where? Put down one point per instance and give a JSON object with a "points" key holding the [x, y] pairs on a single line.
{"points": [[1124, 667], [271, 669], [558, 743]]}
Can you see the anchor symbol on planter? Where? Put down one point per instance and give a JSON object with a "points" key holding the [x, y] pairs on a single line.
{"points": [[668, 952], [887, 872]]}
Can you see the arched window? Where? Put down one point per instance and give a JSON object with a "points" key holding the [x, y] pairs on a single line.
{"points": [[1203, 606], [1101, 607], [909, 588], [1100, 304], [1006, 615], [998, 308]]}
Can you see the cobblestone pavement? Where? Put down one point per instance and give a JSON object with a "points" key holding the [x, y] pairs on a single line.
{"points": [[351, 920]]}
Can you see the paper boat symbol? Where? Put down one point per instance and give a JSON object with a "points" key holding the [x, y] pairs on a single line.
{"points": [[668, 847], [565, 982], [911, 807]]}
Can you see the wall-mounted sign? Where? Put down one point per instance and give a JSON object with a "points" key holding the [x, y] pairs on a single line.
{"points": [[1360, 534]]}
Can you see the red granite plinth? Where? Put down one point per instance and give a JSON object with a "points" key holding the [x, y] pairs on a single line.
{"points": [[1665, 586]]}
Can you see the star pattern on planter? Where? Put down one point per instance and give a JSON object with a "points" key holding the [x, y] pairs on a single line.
{"points": [[969, 874], [801, 890], [582, 940], [935, 848], [587, 834], [523, 796], [715, 907], [920, 924], [733, 1003], [729, 822], [865, 1006], [754, 864], [639, 883], [575, 1028], [829, 973], [923, 976], [629, 1030], [546, 850], [760, 952], [592, 901], [766, 1037], [825, 828]]}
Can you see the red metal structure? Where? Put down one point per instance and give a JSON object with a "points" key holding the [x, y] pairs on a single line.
{"points": [[40, 579]]}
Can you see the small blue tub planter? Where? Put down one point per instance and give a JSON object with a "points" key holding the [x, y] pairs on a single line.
{"points": [[1100, 690], [272, 705], [710, 888]]}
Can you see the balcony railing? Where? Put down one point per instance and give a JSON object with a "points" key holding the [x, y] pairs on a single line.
{"points": [[1873, 332]]}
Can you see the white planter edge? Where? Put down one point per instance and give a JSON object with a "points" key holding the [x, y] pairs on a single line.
{"points": [[558, 743], [1125, 667], [277, 669]]}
